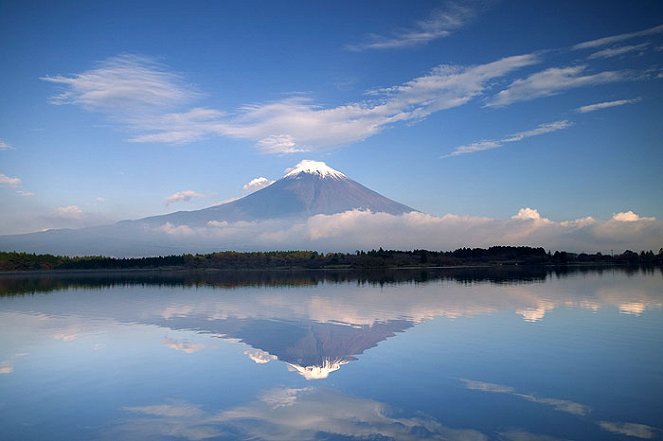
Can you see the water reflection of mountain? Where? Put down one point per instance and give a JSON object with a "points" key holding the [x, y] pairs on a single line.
{"points": [[316, 322], [311, 348]]}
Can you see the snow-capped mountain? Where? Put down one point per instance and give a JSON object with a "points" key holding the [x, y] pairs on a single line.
{"points": [[310, 188]]}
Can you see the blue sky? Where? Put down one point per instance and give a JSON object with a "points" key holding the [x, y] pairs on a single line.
{"points": [[116, 110]]}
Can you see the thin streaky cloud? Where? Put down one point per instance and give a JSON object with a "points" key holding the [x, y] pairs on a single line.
{"points": [[620, 50], [519, 136], [606, 105], [297, 124], [553, 81], [441, 23], [617, 38], [634, 430], [124, 86], [4, 145], [9, 180]]}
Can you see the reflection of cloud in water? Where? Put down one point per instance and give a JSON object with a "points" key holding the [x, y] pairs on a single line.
{"points": [[66, 335], [487, 387], [276, 398], [288, 414], [557, 404], [629, 429], [560, 405], [633, 308], [520, 435], [259, 356], [6, 368], [537, 313], [183, 346]]}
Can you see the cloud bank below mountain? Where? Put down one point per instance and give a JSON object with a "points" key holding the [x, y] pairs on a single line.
{"points": [[358, 229]]}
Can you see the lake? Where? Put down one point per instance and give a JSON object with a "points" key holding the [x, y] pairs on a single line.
{"points": [[465, 354]]}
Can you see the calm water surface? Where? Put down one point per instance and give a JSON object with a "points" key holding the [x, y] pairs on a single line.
{"points": [[455, 355]]}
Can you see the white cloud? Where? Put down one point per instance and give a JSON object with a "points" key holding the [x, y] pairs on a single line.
{"points": [[629, 429], [10, 181], [356, 229], [296, 124], [551, 82], [183, 196], [177, 230], [257, 184], [519, 136], [630, 216], [4, 145], [616, 51], [24, 193], [617, 38], [140, 93], [606, 105], [125, 86], [69, 212], [441, 23], [525, 214]]}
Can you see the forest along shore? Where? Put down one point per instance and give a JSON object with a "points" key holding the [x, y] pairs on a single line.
{"points": [[231, 260]]}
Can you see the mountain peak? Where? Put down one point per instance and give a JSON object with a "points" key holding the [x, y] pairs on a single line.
{"points": [[315, 168]]}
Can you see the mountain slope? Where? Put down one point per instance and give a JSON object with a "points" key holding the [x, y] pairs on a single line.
{"points": [[310, 188]]}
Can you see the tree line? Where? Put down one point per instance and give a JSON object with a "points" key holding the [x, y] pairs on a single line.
{"points": [[232, 260]]}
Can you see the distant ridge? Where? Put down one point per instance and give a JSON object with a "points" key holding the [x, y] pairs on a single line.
{"points": [[308, 189]]}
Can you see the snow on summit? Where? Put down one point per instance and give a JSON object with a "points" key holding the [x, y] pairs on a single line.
{"points": [[315, 168]]}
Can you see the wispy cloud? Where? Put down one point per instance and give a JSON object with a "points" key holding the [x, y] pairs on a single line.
{"points": [[557, 404], [439, 24], [4, 145], [69, 212], [291, 125], [9, 180], [295, 414], [620, 50], [493, 144], [606, 105], [125, 86], [635, 430], [24, 193], [183, 196], [297, 124], [257, 183], [551, 82], [618, 38]]}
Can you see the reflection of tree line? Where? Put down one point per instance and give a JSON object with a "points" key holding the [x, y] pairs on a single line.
{"points": [[43, 282]]}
